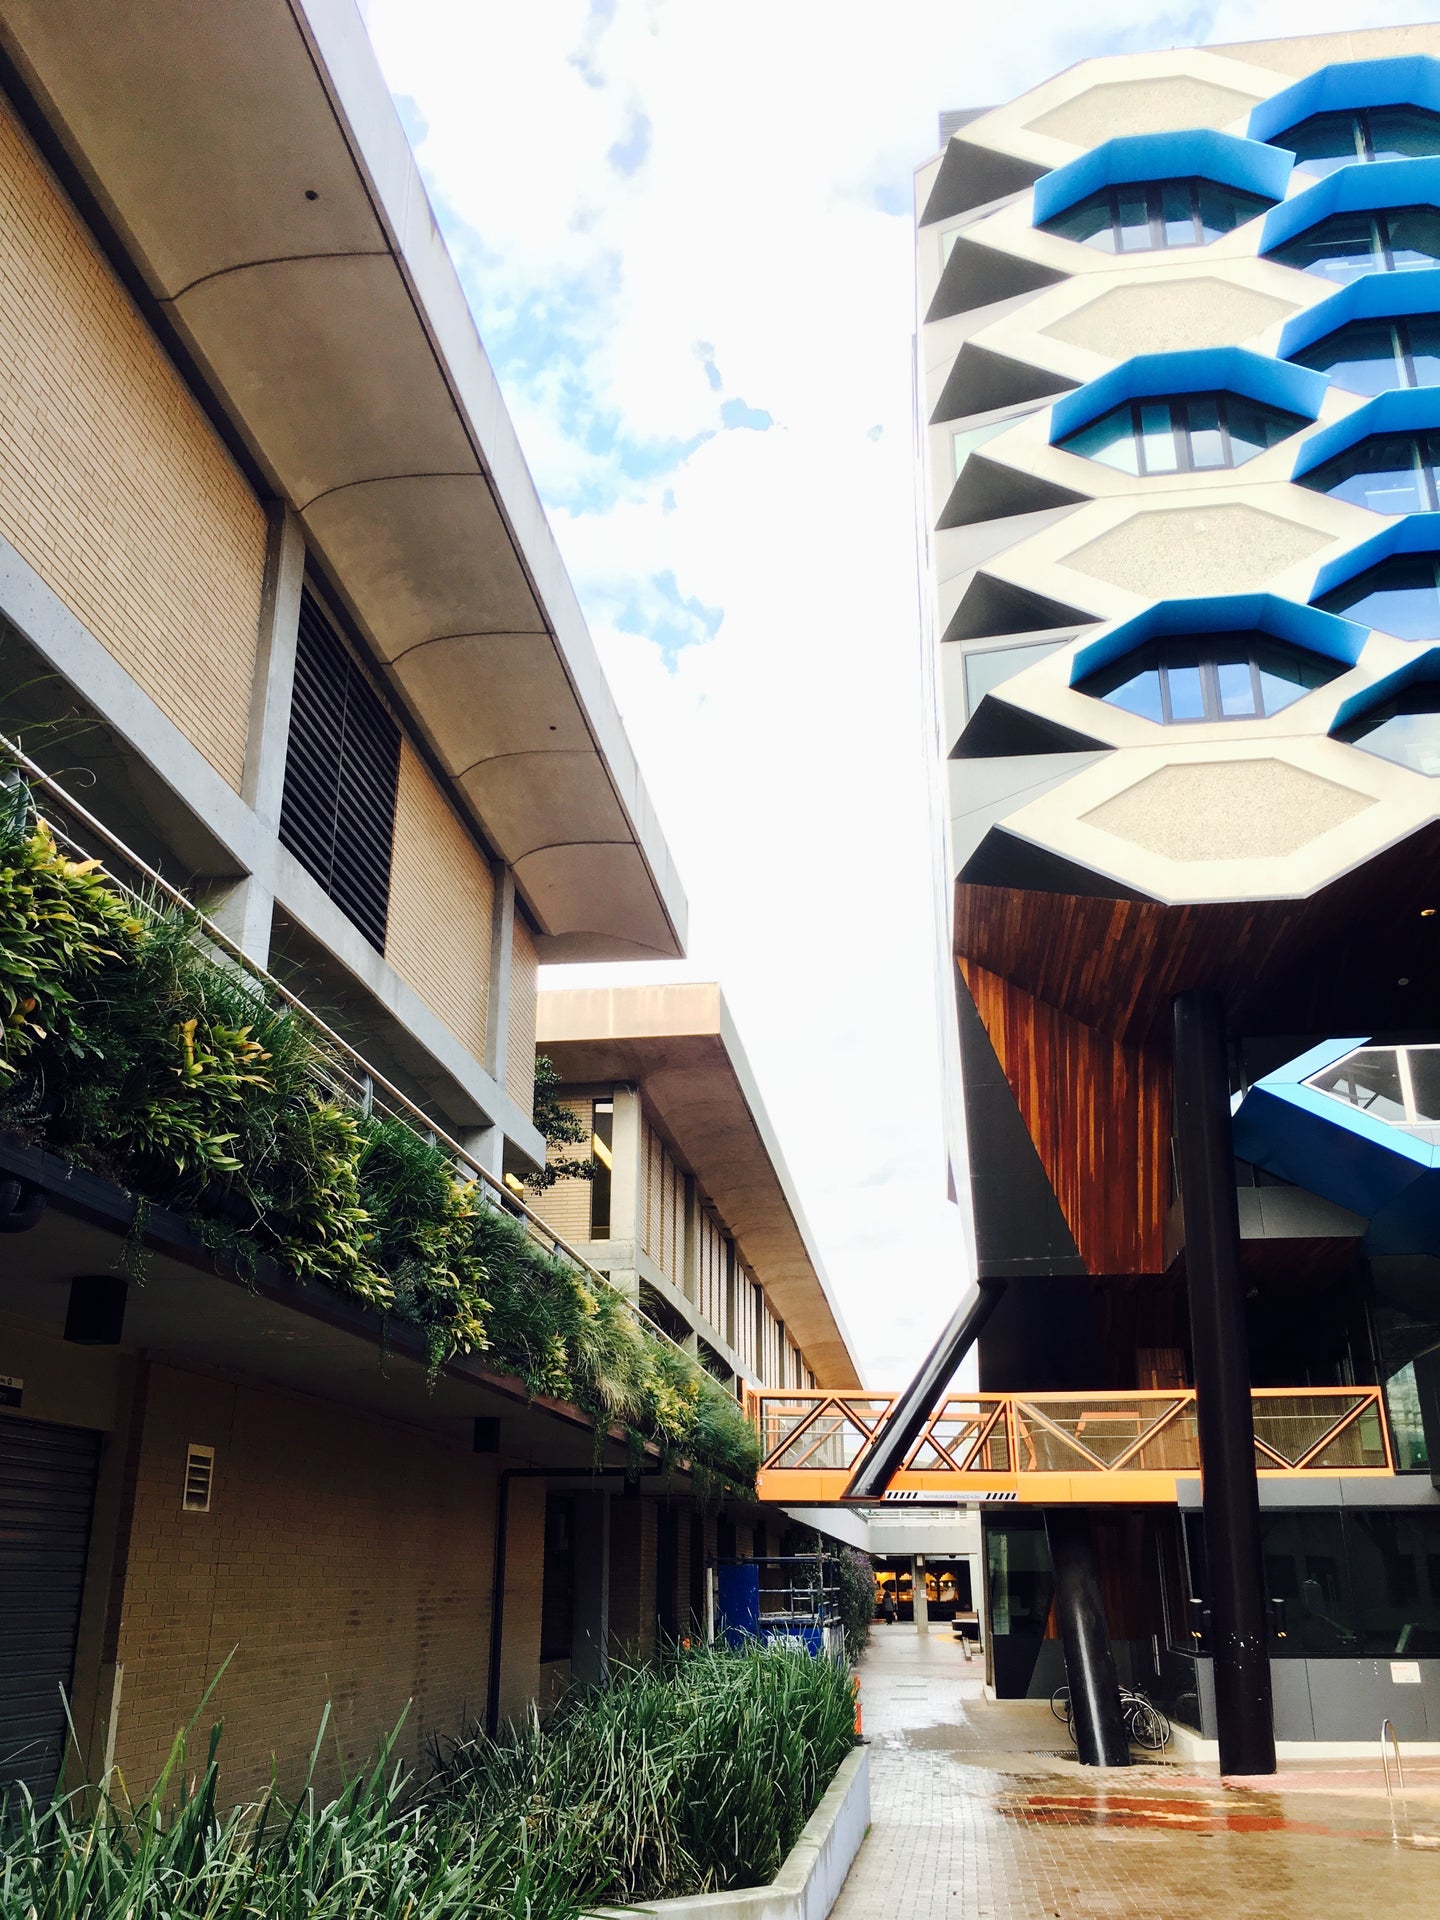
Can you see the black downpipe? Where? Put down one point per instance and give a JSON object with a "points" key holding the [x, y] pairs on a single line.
{"points": [[1100, 1738], [1229, 1491], [900, 1428]]}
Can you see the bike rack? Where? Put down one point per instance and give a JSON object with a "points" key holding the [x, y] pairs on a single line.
{"points": [[1387, 1724]]}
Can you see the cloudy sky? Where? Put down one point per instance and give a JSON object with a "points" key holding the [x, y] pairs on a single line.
{"points": [[685, 230]]}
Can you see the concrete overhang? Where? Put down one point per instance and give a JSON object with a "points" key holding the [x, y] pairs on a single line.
{"points": [[251, 177], [678, 1044]]}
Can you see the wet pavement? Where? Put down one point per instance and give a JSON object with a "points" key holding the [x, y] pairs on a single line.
{"points": [[980, 1812]]}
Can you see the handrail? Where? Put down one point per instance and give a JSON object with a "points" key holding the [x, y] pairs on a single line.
{"points": [[809, 1430], [1385, 1757], [364, 1080]]}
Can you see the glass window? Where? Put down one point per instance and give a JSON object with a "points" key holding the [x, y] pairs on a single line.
{"points": [[1389, 473], [1369, 1081], [1401, 133], [1399, 597], [1424, 1065], [1394, 1561], [1196, 433], [1307, 1584], [1332, 140], [602, 1137], [1350, 244], [1422, 349], [1365, 357], [1412, 238], [1142, 218], [1232, 676], [1328, 141], [1341, 249], [985, 671], [1410, 735]]}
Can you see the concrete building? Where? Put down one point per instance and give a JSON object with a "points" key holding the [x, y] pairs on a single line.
{"points": [[279, 602], [1179, 317], [693, 1211]]}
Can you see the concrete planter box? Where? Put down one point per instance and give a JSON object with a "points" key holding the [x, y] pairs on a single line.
{"points": [[809, 1881]]}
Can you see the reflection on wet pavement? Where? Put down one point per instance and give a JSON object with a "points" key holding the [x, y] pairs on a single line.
{"points": [[980, 1814]]}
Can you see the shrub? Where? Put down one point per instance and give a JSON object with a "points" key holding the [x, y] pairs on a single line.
{"points": [[857, 1600], [692, 1774]]}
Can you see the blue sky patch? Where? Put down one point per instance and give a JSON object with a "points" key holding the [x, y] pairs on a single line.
{"points": [[656, 609], [735, 413], [631, 151]]}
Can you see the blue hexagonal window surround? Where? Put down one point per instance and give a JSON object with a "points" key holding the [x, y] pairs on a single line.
{"points": [[1399, 717], [1390, 583]]}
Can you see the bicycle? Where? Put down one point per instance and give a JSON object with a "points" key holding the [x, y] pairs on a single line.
{"points": [[1145, 1725]]}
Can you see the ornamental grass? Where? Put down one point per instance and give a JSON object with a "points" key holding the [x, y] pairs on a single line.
{"points": [[129, 1044], [692, 1774]]}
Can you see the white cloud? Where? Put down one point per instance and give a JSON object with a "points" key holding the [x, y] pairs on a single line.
{"points": [[752, 222]]}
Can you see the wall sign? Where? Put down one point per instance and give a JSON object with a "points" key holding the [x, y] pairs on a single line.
{"points": [[12, 1390], [1405, 1673]]}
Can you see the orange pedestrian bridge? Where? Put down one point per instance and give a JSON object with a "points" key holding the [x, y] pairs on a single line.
{"points": [[1053, 1448]]}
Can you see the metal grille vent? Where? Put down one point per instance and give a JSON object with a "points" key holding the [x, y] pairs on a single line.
{"points": [[199, 1478], [337, 815]]}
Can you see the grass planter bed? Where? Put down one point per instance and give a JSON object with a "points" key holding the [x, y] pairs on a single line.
{"points": [[694, 1775]]}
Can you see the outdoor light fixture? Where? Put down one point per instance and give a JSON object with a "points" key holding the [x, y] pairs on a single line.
{"points": [[96, 1314]]}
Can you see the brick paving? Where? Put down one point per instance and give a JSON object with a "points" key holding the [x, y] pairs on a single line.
{"points": [[978, 1814]]}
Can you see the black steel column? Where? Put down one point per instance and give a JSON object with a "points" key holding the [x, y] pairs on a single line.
{"points": [[1222, 1387], [1100, 1739]]}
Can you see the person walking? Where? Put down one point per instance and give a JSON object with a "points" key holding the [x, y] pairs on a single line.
{"points": [[887, 1607]]}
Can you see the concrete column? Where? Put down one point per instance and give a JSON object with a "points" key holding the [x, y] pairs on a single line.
{"points": [[590, 1649], [918, 1596], [627, 1208], [502, 944], [690, 1251], [246, 911]]}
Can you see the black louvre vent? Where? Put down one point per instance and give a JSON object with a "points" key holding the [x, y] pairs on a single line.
{"points": [[338, 812]]}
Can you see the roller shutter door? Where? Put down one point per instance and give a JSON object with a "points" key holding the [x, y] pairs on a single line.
{"points": [[47, 1492]]}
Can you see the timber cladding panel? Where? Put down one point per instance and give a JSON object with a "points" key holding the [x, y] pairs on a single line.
{"points": [[343, 1558], [520, 1047], [442, 901], [1098, 1112], [113, 484]]}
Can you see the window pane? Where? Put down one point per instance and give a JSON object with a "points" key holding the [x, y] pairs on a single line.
{"points": [[1381, 474], [1340, 249], [1324, 143], [1237, 690], [1134, 221], [1414, 235], [1425, 1080], [1187, 694], [1362, 358], [1403, 133], [1398, 597], [1368, 1080], [1176, 214], [1110, 439], [1305, 1570], [1410, 739], [1089, 223], [1222, 209], [1393, 1560], [1157, 437], [1422, 336], [1253, 428], [984, 671], [1207, 448], [1139, 694]]}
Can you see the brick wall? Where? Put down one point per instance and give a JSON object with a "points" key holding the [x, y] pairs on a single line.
{"points": [[632, 1575], [566, 1205], [113, 485], [520, 1060], [344, 1558], [442, 897]]}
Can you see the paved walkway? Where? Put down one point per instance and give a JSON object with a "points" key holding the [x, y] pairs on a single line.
{"points": [[980, 1815]]}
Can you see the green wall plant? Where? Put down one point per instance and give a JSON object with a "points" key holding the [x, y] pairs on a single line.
{"points": [[131, 1045]]}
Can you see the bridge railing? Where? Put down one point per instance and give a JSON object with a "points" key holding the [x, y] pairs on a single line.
{"points": [[979, 1436]]}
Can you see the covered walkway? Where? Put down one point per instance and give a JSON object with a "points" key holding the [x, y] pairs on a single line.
{"points": [[979, 1815]]}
